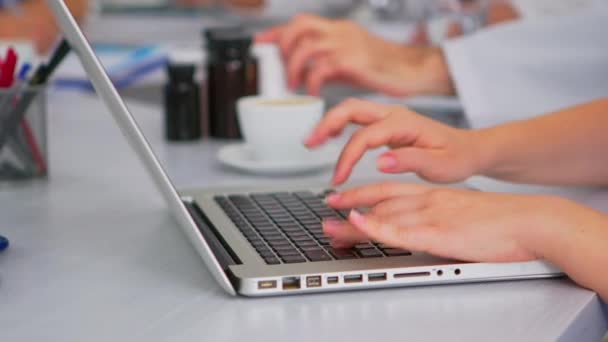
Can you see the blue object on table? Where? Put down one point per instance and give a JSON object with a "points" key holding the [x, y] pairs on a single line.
{"points": [[3, 243], [136, 65]]}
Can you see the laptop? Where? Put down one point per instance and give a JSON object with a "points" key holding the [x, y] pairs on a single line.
{"points": [[269, 241]]}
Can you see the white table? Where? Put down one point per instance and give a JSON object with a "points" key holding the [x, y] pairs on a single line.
{"points": [[95, 256]]}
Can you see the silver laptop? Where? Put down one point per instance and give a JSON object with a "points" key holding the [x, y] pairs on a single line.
{"points": [[266, 242]]}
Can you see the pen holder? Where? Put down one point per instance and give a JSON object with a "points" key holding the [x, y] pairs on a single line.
{"points": [[23, 138]]}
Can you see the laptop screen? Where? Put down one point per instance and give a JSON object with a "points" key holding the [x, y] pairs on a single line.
{"points": [[125, 121]]}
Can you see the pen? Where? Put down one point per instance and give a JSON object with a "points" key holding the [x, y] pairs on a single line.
{"points": [[44, 71], [7, 73], [3, 243], [25, 68]]}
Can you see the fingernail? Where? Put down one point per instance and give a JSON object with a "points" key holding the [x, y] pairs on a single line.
{"points": [[312, 140], [332, 199], [387, 162], [309, 141], [356, 218]]}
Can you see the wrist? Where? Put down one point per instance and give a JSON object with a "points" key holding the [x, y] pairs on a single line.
{"points": [[546, 227], [483, 151], [555, 228], [422, 70], [435, 67]]}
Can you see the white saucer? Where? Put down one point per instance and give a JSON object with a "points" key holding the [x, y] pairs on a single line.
{"points": [[239, 157]]}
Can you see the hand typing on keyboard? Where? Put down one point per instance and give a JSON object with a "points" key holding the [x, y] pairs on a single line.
{"points": [[287, 228], [458, 224]]}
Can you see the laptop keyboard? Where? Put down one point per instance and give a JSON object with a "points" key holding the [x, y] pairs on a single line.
{"points": [[287, 228]]}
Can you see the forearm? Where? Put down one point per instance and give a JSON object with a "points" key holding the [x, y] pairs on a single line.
{"points": [[564, 148], [575, 239]]}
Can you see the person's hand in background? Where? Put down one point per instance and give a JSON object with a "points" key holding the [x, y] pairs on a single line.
{"points": [[318, 51], [418, 144], [33, 21], [238, 5]]}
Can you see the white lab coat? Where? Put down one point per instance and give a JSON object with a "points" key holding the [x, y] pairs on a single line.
{"points": [[531, 9], [415, 8], [530, 67]]}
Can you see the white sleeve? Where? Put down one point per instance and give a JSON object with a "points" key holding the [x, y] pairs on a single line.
{"points": [[541, 8], [527, 68], [284, 9]]}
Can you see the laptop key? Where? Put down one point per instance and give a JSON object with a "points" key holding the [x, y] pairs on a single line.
{"points": [[293, 259], [396, 252], [266, 253], [307, 243], [317, 255], [364, 245], [343, 254], [370, 253], [311, 248], [270, 234], [277, 237], [272, 260], [280, 244], [285, 247], [284, 254], [257, 243]]}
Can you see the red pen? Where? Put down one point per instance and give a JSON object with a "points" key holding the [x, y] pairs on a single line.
{"points": [[7, 76]]}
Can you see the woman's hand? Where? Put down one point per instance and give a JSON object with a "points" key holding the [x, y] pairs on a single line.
{"points": [[318, 50], [453, 223], [477, 226], [434, 151]]}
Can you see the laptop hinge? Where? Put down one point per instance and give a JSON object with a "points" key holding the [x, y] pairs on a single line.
{"points": [[219, 247]]}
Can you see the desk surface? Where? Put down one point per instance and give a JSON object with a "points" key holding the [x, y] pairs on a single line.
{"points": [[96, 257]]}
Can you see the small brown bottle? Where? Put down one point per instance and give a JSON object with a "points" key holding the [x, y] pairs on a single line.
{"points": [[182, 104], [232, 73]]}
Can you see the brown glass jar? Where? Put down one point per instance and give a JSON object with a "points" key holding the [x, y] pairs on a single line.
{"points": [[182, 104], [232, 73]]}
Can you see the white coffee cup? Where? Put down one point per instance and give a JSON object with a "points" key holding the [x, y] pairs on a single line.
{"points": [[275, 128]]}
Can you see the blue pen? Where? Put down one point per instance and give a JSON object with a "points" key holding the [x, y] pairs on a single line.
{"points": [[3, 243], [25, 68]]}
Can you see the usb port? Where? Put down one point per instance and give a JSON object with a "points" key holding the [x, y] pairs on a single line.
{"points": [[353, 278], [332, 280], [267, 284], [376, 277], [313, 281]]}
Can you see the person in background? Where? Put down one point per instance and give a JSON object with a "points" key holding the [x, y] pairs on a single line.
{"points": [[564, 148], [275, 9], [512, 70], [502, 11], [33, 21]]}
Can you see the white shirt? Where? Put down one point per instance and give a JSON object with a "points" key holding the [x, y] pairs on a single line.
{"points": [[541, 8], [531, 67]]}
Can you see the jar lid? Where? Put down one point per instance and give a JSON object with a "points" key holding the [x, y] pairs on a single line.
{"points": [[181, 72], [210, 33], [228, 42]]}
